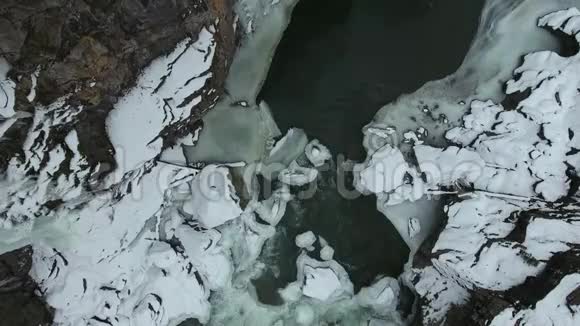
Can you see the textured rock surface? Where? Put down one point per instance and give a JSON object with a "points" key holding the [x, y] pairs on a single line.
{"points": [[95, 50], [19, 305]]}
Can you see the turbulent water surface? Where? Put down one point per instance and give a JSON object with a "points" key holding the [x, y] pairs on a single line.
{"points": [[337, 64]]}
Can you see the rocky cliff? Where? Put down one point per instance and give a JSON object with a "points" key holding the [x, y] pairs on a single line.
{"points": [[65, 66]]}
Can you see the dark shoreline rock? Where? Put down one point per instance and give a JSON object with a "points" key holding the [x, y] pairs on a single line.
{"points": [[19, 303], [94, 51]]}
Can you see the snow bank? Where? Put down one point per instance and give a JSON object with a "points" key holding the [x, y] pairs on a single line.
{"points": [[165, 94], [215, 201], [7, 87]]}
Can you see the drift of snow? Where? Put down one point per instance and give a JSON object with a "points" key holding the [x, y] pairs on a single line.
{"points": [[7, 96], [215, 201], [551, 310], [161, 98]]}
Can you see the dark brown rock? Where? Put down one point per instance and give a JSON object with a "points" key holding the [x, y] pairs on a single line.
{"points": [[483, 305], [104, 44], [19, 305]]}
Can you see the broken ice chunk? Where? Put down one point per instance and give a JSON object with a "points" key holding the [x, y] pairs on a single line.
{"points": [[325, 281], [296, 175], [214, 200], [384, 172], [288, 148], [320, 282], [33, 78], [326, 253], [382, 296], [305, 240], [273, 209], [317, 153]]}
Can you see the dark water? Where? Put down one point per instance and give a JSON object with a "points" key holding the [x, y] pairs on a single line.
{"points": [[338, 63]]}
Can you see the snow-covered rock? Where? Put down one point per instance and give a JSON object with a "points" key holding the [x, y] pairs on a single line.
{"points": [[382, 296], [156, 103], [559, 307], [511, 216], [325, 281]]}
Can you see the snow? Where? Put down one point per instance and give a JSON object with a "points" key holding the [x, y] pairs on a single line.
{"points": [[103, 255], [324, 281], [5, 125], [440, 292], [206, 255], [449, 165], [507, 218], [158, 242], [7, 87], [320, 283], [214, 199], [384, 172], [551, 310], [160, 100], [25, 197], [546, 237], [34, 80], [113, 265]]}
